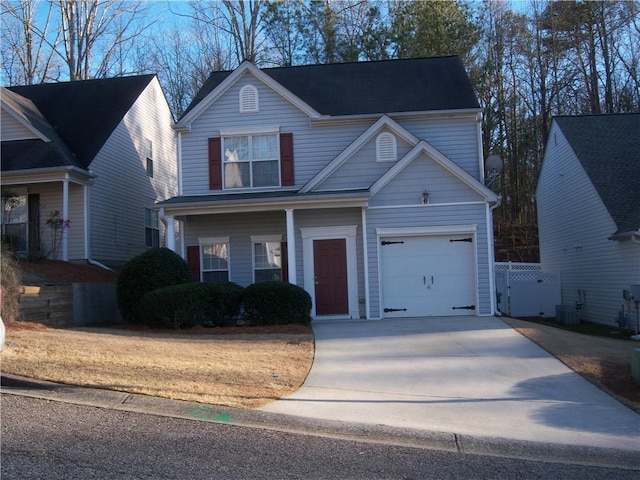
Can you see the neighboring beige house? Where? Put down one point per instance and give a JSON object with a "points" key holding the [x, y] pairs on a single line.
{"points": [[588, 198], [96, 153], [360, 182]]}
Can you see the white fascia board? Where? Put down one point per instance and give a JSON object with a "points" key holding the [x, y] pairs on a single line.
{"points": [[442, 160], [25, 122], [430, 114], [45, 175], [246, 67], [383, 122], [297, 203]]}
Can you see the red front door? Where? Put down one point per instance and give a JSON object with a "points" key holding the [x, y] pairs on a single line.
{"points": [[330, 266]]}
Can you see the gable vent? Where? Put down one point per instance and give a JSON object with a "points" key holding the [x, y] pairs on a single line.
{"points": [[248, 99], [386, 148]]}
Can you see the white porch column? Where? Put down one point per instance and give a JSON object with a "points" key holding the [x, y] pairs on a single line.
{"points": [[65, 217], [291, 246], [170, 234]]}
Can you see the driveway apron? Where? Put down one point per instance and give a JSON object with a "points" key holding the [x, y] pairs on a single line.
{"points": [[464, 375]]}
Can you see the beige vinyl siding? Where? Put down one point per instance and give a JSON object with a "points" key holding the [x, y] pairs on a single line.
{"points": [[12, 129], [362, 170], [574, 227], [431, 216], [50, 201], [122, 189]]}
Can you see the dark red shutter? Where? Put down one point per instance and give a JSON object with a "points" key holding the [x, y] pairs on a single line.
{"points": [[286, 159], [193, 260], [215, 164], [284, 261]]}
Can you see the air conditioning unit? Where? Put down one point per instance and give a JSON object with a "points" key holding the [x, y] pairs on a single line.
{"points": [[567, 315]]}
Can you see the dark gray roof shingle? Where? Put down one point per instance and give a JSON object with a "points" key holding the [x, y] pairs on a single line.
{"points": [[84, 113], [386, 86], [608, 147]]}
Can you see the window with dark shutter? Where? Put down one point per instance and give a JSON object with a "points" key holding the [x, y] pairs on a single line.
{"points": [[287, 177], [215, 164]]}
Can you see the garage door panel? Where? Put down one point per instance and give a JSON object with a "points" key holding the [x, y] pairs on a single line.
{"points": [[427, 275]]}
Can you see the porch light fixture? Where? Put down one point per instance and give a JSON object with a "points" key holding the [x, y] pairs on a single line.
{"points": [[425, 197]]}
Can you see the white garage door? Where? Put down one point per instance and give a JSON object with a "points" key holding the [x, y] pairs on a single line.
{"points": [[428, 275]]}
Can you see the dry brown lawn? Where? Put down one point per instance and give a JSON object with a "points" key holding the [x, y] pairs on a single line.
{"points": [[244, 370]]}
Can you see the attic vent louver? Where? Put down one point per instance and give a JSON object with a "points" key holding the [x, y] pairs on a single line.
{"points": [[248, 99], [386, 148]]}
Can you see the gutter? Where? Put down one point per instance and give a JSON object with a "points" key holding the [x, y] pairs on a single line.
{"points": [[633, 235]]}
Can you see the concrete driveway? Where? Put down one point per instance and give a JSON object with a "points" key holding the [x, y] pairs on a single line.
{"points": [[464, 375]]}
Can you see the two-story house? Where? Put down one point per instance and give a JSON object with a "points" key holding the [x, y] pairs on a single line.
{"points": [[360, 182], [94, 154], [588, 199]]}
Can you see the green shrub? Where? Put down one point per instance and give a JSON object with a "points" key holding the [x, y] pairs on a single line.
{"points": [[276, 303], [153, 269], [191, 304], [10, 286]]}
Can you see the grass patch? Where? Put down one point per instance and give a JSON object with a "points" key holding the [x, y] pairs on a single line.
{"points": [[237, 370], [586, 328]]}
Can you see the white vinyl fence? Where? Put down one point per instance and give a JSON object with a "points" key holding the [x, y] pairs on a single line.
{"points": [[524, 290]]}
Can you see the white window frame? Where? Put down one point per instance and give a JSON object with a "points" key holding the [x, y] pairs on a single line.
{"points": [[208, 241], [152, 225], [249, 99], [148, 153], [249, 134], [265, 239], [386, 147]]}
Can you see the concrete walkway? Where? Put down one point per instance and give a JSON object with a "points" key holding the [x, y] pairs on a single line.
{"points": [[473, 376]]}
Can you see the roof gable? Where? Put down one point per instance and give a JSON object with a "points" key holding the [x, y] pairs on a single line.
{"points": [[47, 150], [424, 147], [608, 147], [85, 113], [386, 86], [383, 123], [219, 82], [26, 113]]}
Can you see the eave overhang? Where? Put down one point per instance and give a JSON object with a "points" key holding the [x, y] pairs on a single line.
{"points": [[261, 202], [45, 175]]}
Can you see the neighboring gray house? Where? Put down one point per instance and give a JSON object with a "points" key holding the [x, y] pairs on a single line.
{"points": [[360, 182], [99, 152], [589, 211]]}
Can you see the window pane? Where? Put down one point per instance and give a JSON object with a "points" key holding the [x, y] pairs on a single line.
{"points": [[267, 255], [268, 275], [14, 209], [215, 257], [236, 149], [222, 276], [236, 175], [264, 147], [266, 174]]}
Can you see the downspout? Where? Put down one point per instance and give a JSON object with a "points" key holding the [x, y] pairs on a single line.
{"points": [[65, 217], [366, 263], [291, 247], [179, 163]]}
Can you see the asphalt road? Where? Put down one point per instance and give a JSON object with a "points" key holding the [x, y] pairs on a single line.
{"points": [[43, 439]]}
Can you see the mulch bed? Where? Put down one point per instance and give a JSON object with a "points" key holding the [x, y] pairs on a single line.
{"points": [[52, 272]]}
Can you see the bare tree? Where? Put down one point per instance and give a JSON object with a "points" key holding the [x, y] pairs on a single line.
{"points": [[92, 32], [28, 46], [241, 20]]}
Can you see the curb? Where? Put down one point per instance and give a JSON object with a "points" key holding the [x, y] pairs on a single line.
{"points": [[451, 442]]}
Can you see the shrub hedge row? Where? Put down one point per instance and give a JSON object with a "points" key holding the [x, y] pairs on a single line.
{"points": [[156, 288]]}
